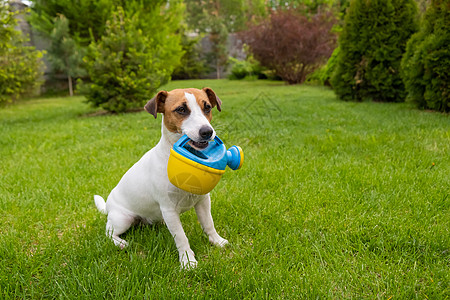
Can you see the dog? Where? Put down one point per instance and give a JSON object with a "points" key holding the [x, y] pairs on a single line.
{"points": [[145, 194]]}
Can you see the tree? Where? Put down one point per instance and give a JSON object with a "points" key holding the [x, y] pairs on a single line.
{"points": [[128, 64], [291, 43], [87, 18], [20, 65], [192, 63], [64, 54], [87, 23], [426, 63], [219, 18], [372, 43]]}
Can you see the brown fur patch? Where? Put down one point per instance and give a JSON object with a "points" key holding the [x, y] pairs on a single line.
{"points": [[213, 99], [174, 99]]}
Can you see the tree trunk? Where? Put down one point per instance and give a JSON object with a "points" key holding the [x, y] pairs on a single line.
{"points": [[70, 85], [217, 68]]}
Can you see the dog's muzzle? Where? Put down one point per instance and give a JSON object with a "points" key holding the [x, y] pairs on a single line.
{"points": [[205, 133]]}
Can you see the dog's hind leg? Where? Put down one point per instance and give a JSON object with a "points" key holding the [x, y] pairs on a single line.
{"points": [[118, 223]]}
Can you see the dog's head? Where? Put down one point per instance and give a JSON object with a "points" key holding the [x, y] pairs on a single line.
{"points": [[187, 111]]}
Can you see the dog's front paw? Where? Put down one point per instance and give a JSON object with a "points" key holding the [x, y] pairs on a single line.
{"points": [[222, 243], [218, 241], [187, 260], [189, 265], [122, 244]]}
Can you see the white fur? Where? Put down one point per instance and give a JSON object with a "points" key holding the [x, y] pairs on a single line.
{"points": [[145, 193], [196, 120]]}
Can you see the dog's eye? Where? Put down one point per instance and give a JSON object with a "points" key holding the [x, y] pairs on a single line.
{"points": [[207, 109], [181, 110]]}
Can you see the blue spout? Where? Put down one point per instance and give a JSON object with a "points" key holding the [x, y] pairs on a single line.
{"points": [[235, 157]]}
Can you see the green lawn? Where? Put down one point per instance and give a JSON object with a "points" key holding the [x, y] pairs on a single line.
{"points": [[335, 200]]}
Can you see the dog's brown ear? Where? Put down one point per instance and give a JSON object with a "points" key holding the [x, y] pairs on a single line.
{"points": [[215, 101], [156, 104]]}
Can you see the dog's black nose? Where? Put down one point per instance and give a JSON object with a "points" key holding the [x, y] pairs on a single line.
{"points": [[205, 132]]}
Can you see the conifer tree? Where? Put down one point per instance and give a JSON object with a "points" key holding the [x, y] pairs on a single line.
{"points": [[64, 54], [128, 64], [372, 43], [426, 63]]}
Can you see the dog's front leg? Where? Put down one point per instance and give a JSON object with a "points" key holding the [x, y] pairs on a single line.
{"points": [[187, 256], [203, 210]]}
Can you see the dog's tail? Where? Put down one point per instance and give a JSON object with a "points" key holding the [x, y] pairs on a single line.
{"points": [[100, 203]]}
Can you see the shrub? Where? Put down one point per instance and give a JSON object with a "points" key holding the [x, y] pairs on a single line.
{"points": [[246, 69], [20, 65], [192, 64], [426, 63], [372, 43], [292, 44], [128, 64], [323, 74]]}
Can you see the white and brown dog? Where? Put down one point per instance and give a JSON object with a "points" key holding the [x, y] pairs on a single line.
{"points": [[145, 194]]}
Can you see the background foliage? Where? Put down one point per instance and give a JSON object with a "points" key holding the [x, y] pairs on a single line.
{"points": [[291, 43], [87, 18], [21, 67], [157, 20], [127, 65], [246, 69], [426, 62], [323, 75], [372, 43], [193, 64], [64, 54], [219, 18], [365, 66]]}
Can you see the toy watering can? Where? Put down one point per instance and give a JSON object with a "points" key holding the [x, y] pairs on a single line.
{"points": [[198, 171]]}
